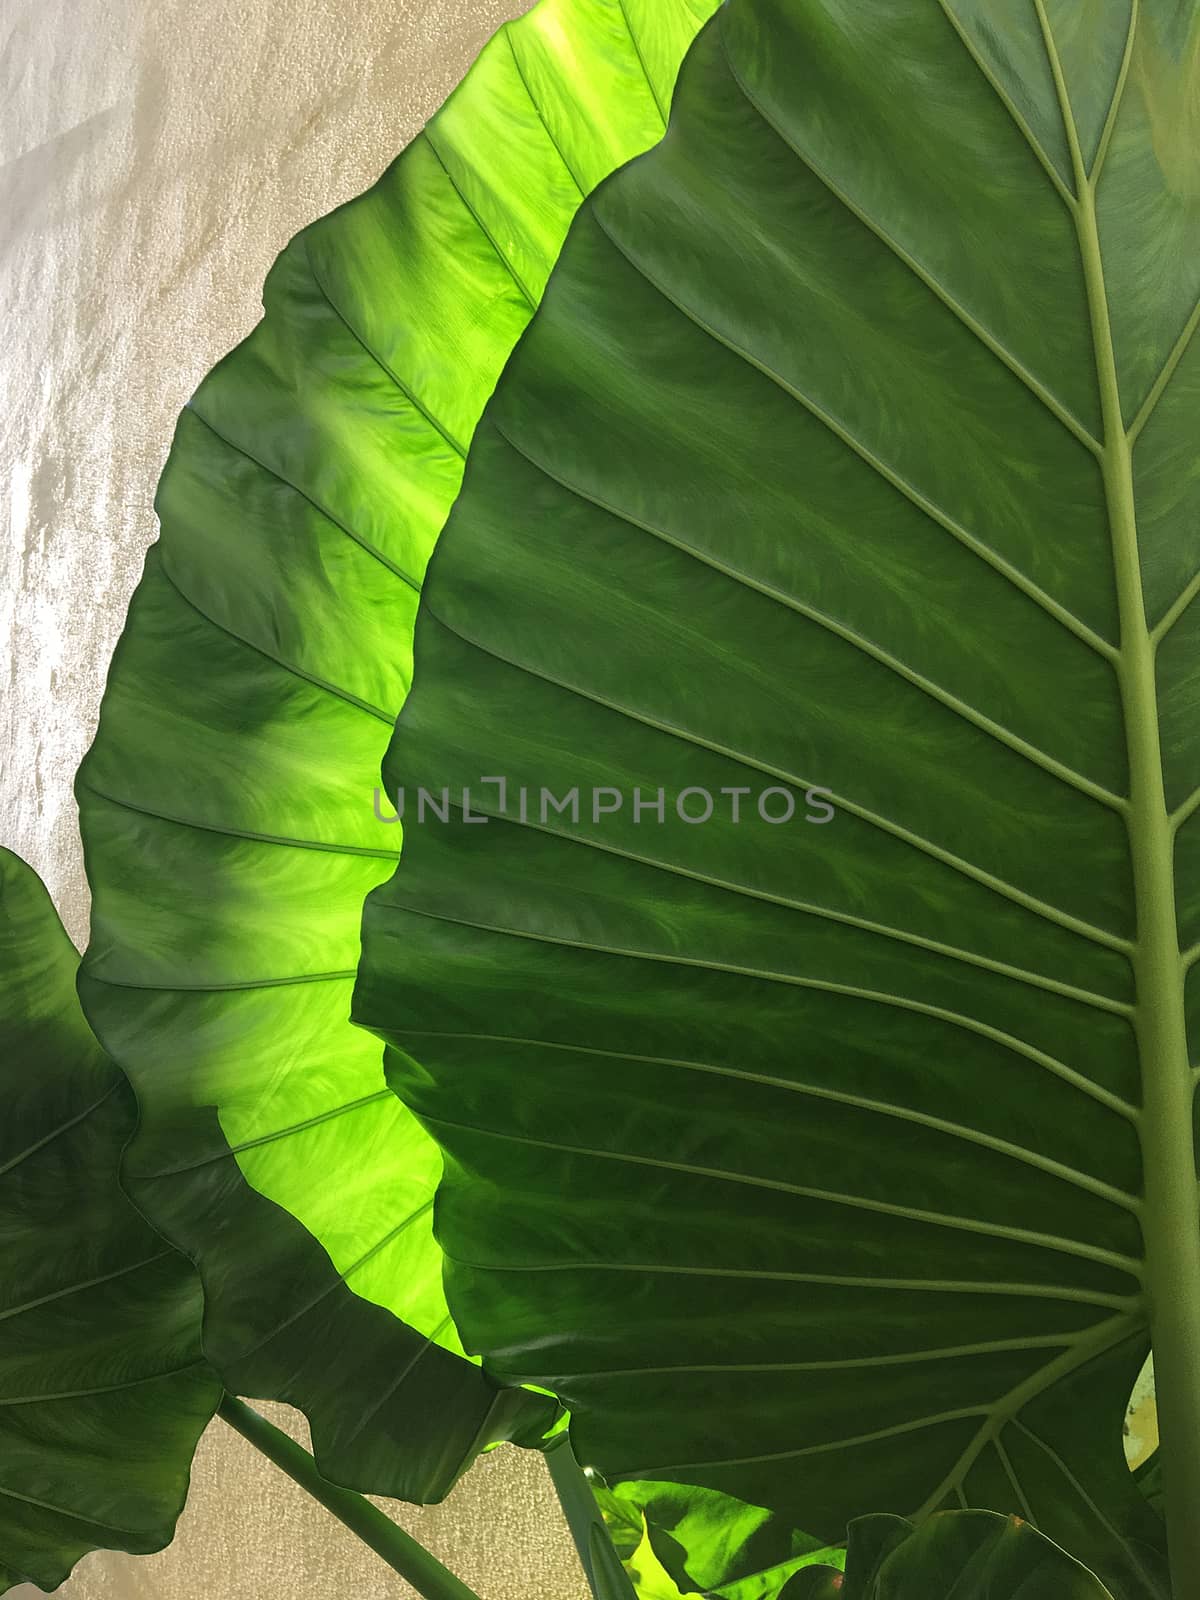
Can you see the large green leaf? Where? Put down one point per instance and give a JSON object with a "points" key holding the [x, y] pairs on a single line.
{"points": [[838, 1164], [103, 1392], [227, 802]]}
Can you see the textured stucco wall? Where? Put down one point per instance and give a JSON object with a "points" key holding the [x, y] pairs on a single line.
{"points": [[248, 1533], [155, 155]]}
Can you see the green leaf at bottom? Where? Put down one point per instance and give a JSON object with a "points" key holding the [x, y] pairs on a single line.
{"points": [[956, 1555], [103, 1392]]}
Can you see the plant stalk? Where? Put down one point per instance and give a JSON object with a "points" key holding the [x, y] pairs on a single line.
{"points": [[601, 1564], [401, 1552], [1170, 1215]]}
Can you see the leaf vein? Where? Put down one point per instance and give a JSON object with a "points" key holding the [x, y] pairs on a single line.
{"points": [[530, 298], [849, 636], [1061, 187], [285, 666], [409, 394], [980, 875], [247, 455], [916, 497], [272, 1137], [1036, 1291], [982, 334], [1047, 1164], [63, 1127], [239, 833], [973, 1225]]}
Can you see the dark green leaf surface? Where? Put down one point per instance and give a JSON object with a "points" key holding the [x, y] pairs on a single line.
{"points": [[103, 1393], [827, 1163], [957, 1555], [227, 802]]}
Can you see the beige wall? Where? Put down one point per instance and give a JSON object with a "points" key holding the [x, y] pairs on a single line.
{"points": [[248, 1533], [155, 155]]}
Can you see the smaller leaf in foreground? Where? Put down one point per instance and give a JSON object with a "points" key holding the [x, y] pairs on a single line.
{"points": [[707, 1541], [103, 1393], [653, 1580], [650, 1577], [972, 1555]]}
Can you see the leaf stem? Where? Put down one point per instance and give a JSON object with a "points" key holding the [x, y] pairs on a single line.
{"points": [[597, 1554], [1171, 1215], [401, 1552]]}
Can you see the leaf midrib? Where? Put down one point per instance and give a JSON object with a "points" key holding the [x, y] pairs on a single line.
{"points": [[1171, 1218]]}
